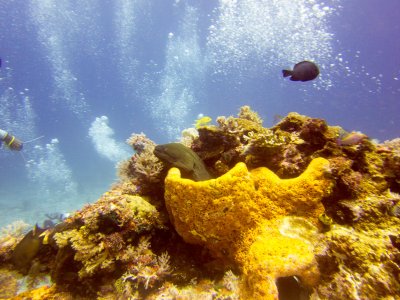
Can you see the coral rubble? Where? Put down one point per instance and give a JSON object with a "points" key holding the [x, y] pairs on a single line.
{"points": [[302, 209]]}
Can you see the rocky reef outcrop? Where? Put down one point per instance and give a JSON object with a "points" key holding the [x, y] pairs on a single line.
{"points": [[301, 210]]}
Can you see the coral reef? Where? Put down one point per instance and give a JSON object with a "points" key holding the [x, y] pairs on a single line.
{"points": [[390, 151], [105, 235], [300, 210], [9, 237], [44, 292], [361, 259], [8, 283], [143, 169]]}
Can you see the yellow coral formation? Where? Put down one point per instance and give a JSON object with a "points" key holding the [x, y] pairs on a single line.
{"points": [[102, 241], [43, 292], [247, 113], [237, 216]]}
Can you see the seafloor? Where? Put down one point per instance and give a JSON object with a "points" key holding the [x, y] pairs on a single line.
{"points": [[301, 210]]}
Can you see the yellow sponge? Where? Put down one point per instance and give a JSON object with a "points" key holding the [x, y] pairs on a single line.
{"points": [[241, 217]]}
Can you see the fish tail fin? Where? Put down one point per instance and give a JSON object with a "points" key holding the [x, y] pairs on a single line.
{"points": [[287, 73]]}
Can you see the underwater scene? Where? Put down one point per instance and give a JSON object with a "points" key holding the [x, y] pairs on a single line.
{"points": [[183, 149]]}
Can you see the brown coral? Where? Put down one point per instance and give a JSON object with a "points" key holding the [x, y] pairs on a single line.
{"points": [[390, 150], [362, 262], [104, 232], [8, 283], [143, 169]]}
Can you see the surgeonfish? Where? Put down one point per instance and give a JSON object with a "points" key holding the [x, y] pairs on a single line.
{"points": [[302, 71], [26, 250]]}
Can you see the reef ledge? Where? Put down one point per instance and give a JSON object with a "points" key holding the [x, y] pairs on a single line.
{"points": [[300, 210]]}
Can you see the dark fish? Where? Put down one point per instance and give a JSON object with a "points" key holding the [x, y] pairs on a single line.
{"points": [[26, 250], [303, 71], [0, 62], [183, 158]]}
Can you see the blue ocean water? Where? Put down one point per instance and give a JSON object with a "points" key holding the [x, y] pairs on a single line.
{"points": [[87, 74]]}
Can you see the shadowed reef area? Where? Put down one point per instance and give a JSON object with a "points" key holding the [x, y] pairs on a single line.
{"points": [[301, 210]]}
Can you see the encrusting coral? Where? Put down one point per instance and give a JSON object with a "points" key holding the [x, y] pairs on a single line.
{"points": [[9, 237], [8, 283], [361, 260], [301, 207], [237, 216], [106, 233]]}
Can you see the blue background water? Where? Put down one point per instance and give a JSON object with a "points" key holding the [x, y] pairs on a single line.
{"points": [[86, 74]]}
